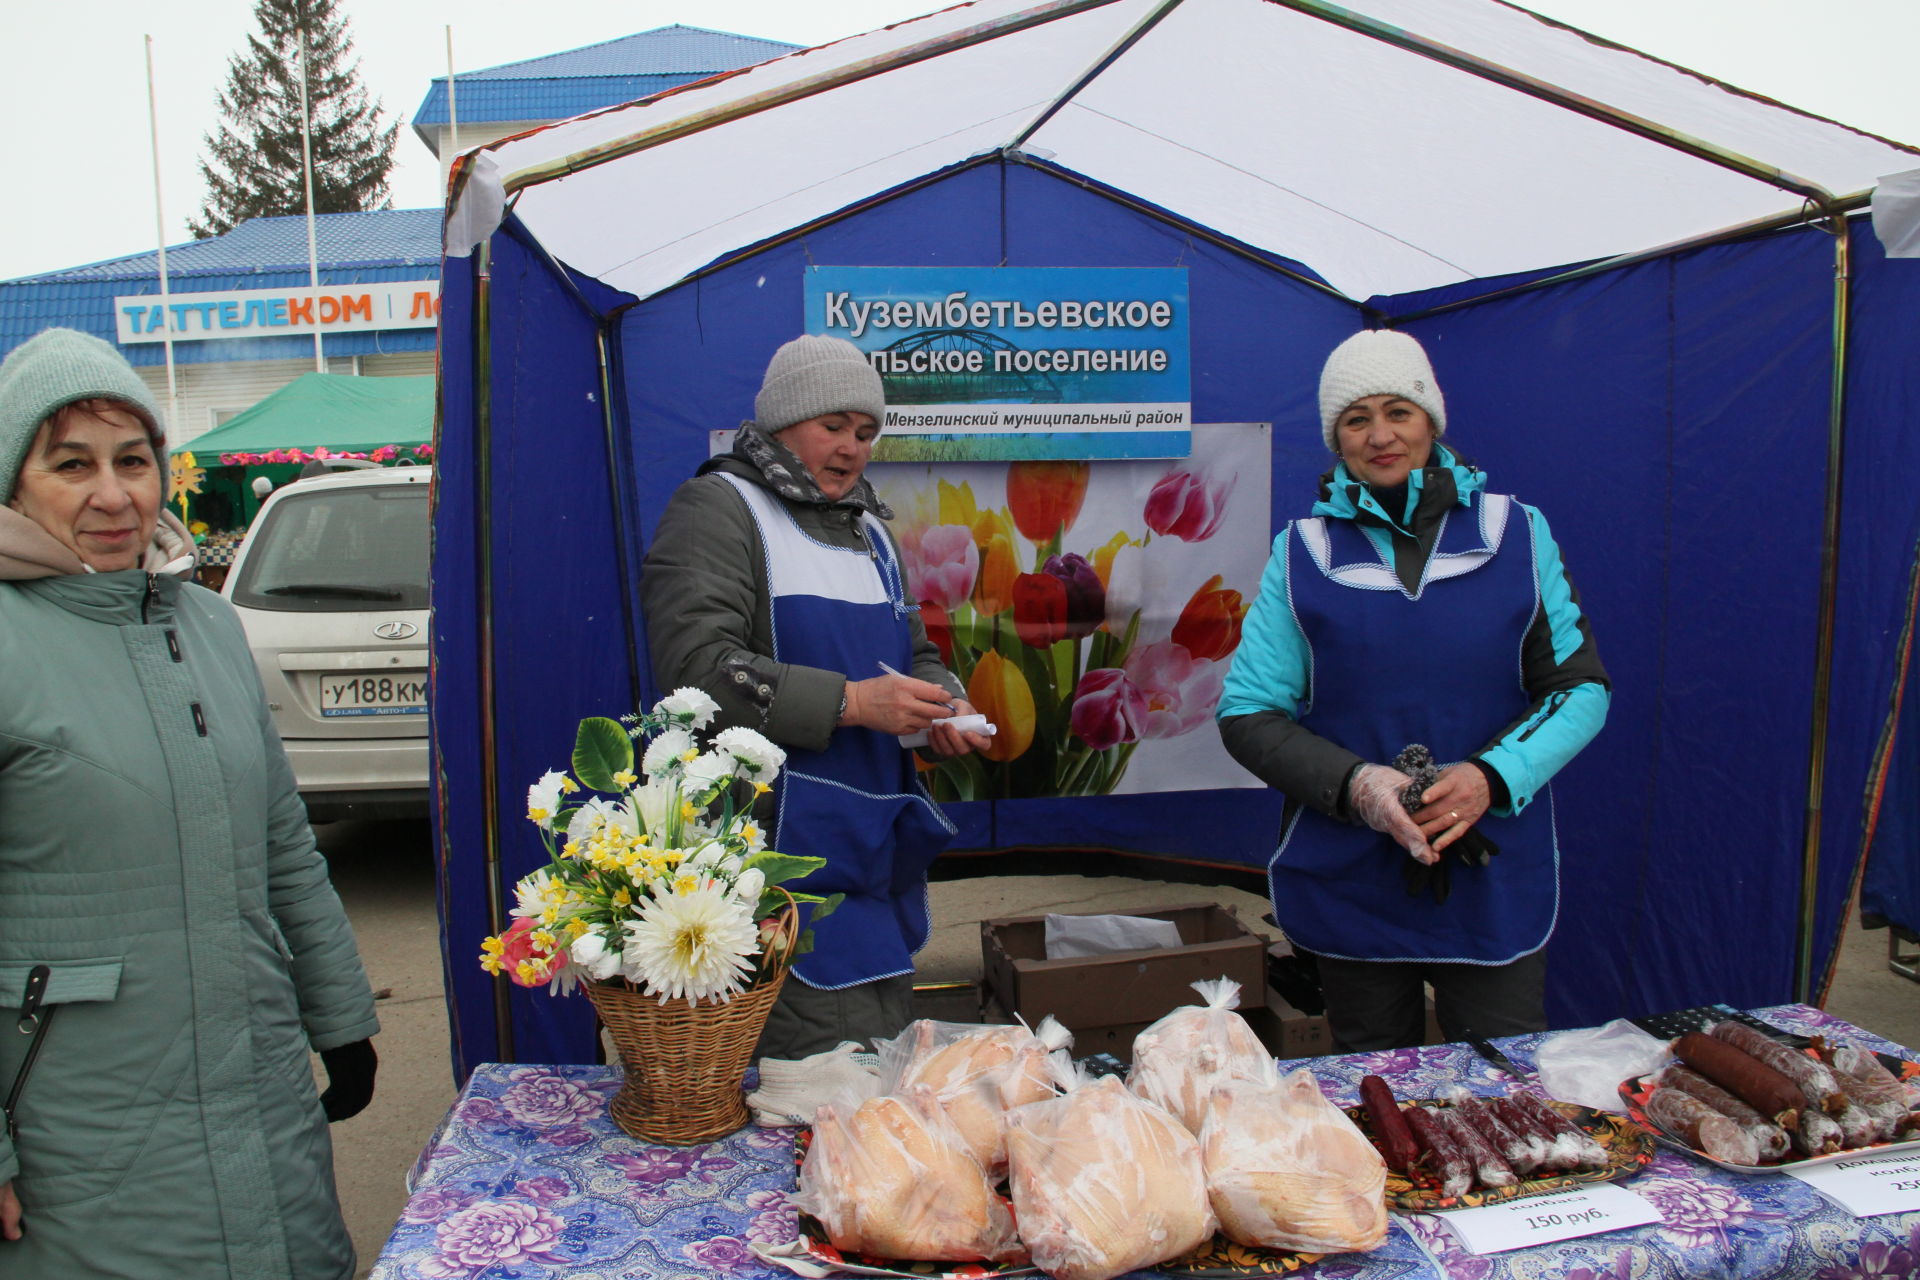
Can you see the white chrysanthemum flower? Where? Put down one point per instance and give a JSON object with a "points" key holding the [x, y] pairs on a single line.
{"points": [[543, 797], [600, 812], [758, 758], [688, 702], [536, 893], [696, 945], [666, 753], [707, 771], [589, 951], [707, 855], [751, 884]]}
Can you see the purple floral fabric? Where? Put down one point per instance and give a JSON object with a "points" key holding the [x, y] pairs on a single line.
{"points": [[528, 1179]]}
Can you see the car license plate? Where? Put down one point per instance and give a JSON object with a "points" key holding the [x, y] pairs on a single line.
{"points": [[392, 693]]}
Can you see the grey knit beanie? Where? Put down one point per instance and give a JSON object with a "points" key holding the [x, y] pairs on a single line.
{"points": [[48, 372], [1378, 362], [813, 375]]}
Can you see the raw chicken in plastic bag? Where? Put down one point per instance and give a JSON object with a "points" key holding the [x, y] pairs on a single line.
{"points": [[1104, 1182], [893, 1178], [1286, 1169], [978, 1073], [1178, 1060]]}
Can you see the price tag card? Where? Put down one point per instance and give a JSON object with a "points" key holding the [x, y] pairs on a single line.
{"points": [[1867, 1186], [1591, 1210]]}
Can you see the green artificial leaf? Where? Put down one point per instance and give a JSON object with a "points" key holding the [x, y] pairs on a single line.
{"points": [[779, 868], [826, 906], [601, 750]]}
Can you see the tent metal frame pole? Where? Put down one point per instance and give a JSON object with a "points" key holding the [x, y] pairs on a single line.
{"points": [[807, 87], [1829, 593], [1738, 231], [1533, 87], [489, 711], [616, 495], [1111, 56]]}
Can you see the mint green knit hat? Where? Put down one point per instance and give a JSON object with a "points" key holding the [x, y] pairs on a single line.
{"points": [[48, 372]]}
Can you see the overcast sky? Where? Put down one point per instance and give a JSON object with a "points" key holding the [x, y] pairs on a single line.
{"points": [[79, 169]]}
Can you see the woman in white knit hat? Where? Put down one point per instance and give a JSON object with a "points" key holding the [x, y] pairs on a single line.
{"points": [[773, 584], [1413, 607]]}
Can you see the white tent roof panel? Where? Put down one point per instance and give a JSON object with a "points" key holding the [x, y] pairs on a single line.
{"points": [[1380, 168]]}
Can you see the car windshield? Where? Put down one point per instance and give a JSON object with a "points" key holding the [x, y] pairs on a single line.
{"points": [[339, 550]]}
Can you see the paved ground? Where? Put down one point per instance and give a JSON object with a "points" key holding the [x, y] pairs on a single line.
{"points": [[385, 875]]}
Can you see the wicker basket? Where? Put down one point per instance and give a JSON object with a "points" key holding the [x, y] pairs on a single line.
{"points": [[685, 1063]]}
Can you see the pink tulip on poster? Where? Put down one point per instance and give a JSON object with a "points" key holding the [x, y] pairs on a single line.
{"points": [[1181, 690], [942, 562], [1107, 709], [1189, 504]]}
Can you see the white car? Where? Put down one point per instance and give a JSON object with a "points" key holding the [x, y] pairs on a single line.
{"points": [[331, 584]]}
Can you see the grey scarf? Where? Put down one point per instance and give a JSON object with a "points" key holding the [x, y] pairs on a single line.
{"points": [[787, 476]]}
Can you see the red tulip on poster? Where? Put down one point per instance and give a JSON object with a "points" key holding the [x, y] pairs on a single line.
{"points": [[1039, 609], [1108, 709], [1209, 626], [1045, 497]]}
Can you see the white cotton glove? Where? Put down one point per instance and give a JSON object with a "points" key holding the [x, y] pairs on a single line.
{"points": [[1373, 793], [792, 1089]]}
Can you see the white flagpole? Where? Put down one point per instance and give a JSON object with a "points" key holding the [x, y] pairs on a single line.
{"points": [[453, 111], [306, 169], [160, 238]]}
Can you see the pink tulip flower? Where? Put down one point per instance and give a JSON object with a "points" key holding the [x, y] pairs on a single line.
{"points": [[1181, 690], [1189, 504], [1108, 709], [941, 562]]}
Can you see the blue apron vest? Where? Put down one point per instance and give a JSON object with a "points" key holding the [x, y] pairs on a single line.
{"points": [[858, 804], [1440, 666]]}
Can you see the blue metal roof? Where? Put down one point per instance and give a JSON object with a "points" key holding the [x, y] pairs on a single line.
{"points": [[567, 84], [264, 253]]}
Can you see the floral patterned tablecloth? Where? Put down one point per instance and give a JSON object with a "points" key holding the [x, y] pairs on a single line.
{"points": [[529, 1180]]}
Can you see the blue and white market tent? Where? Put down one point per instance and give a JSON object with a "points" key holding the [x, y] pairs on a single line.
{"points": [[1654, 300]]}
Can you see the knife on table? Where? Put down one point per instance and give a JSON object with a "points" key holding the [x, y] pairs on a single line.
{"points": [[1500, 1060]]}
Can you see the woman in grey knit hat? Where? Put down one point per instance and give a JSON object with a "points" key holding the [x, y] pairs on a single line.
{"points": [[168, 933], [773, 584]]}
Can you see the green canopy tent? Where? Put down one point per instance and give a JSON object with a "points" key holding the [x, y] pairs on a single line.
{"points": [[317, 414]]}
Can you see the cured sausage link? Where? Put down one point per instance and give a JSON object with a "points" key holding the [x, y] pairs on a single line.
{"points": [[1383, 1113], [1809, 1075], [1702, 1128], [1766, 1090], [1490, 1168], [1589, 1153], [1442, 1153], [1543, 1156], [1772, 1139], [1477, 1115]]}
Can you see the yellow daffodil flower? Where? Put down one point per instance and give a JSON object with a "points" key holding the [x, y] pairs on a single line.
{"points": [[761, 788], [569, 786]]}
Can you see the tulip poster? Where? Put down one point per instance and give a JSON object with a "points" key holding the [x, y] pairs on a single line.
{"points": [[1090, 607]]}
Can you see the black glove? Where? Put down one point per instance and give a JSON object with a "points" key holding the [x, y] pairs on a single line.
{"points": [[350, 1072]]}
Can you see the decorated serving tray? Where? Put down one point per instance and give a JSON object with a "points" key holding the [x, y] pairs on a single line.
{"points": [[1636, 1091], [1629, 1149]]}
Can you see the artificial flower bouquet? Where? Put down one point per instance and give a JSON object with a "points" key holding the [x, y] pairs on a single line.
{"points": [[663, 880]]}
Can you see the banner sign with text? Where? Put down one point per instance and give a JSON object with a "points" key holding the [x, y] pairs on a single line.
{"points": [[277, 313], [1007, 363]]}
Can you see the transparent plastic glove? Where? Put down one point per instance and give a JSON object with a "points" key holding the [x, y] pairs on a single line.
{"points": [[1373, 793]]}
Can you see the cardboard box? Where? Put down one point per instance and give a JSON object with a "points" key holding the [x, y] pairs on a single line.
{"points": [[1107, 1000], [1287, 1032]]}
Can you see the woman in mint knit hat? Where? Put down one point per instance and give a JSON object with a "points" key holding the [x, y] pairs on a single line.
{"points": [[168, 935]]}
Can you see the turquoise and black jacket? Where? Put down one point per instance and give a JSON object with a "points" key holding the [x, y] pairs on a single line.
{"points": [[1439, 614]]}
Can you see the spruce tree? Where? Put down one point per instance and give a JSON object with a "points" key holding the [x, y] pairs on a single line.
{"points": [[253, 163]]}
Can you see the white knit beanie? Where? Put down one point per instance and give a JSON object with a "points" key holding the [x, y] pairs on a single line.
{"points": [[815, 375], [1378, 362]]}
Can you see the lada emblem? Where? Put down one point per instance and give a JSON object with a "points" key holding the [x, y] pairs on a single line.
{"points": [[396, 630]]}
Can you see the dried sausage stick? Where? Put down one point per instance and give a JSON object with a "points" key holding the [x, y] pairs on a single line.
{"points": [[1445, 1158], [1859, 1126], [1770, 1136], [1383, 1113], [1863, 1078], [1590, 1154], [1766, 1090], [1480, 1117], [1702, 1128], [1818, 1134], [1490, 1169], [1810, 1075], [1542, 1156]]}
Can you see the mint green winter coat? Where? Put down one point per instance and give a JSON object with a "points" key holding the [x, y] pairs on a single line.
{"points": [[155, 853]]}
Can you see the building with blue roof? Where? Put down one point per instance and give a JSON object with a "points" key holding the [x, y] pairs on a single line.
{"points": [[238, 308]]}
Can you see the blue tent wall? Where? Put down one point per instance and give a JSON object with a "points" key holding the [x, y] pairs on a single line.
{"points": [[1669, 418], [1883, 552], [560, 647]]}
